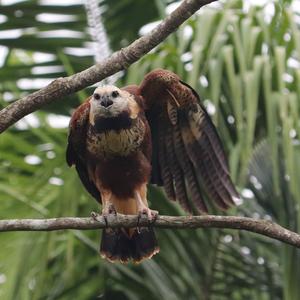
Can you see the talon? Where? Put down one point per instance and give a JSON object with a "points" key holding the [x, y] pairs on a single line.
{"points": [[108, 209], [105, 220], [144, 211], [108, 212], [154, 215], [138, 224], [111, 209], [149, 213], [141, 214], [95, 216]]}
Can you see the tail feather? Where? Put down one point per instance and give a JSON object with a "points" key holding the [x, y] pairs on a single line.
{"points": [[125, 245], [145, 244], [117, 245]]}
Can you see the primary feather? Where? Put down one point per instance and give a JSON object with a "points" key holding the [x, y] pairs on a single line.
{"points": [[187, 131]]}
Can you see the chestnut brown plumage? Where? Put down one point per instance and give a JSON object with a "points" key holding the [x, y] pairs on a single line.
{"points": [[122, 139]]}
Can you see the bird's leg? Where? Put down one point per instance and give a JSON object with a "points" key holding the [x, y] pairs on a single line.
{"points": [[144, 210], [108, 209]]}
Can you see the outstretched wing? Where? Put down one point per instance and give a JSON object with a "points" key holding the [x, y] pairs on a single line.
{"points": [[76, 148], [187, 151]]}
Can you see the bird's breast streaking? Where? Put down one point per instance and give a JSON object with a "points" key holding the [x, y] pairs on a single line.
{"points": [[112, 142]]}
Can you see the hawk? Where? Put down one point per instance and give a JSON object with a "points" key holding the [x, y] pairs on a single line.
{"points": [[121, 139]]}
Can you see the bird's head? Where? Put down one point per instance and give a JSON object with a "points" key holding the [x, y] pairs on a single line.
{"points": [[110, 102]]}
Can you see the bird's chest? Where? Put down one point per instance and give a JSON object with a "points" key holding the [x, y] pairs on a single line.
{"points": [[115, 142]]}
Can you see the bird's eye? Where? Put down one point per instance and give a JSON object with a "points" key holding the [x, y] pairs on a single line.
{"points": [[115, 94], [96, 96]]}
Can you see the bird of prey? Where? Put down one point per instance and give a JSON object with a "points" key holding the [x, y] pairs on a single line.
{"points": [[122, 139]]}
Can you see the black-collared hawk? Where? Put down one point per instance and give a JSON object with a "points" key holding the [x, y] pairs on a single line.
{"points": [[122, 139]]}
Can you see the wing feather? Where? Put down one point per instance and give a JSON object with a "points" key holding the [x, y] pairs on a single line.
{"points": [[210, 145], [190, 149], [187, 167], [201, 163], [177, 173], [166, 174], [76, 149]]}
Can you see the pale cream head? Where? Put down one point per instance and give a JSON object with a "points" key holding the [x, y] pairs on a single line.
{"points": [[109, 101]]}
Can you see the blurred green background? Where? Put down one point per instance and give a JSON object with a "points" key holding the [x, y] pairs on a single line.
{"points": [[243, 57]]}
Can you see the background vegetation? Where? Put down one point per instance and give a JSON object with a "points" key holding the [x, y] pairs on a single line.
{"points": [[244, 61]]}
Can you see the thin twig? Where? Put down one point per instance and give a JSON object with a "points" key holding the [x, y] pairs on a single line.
{"points": [[262, 227], [116, 62]]}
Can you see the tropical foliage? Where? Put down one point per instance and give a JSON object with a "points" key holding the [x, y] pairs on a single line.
{"points": [[244, 62]]}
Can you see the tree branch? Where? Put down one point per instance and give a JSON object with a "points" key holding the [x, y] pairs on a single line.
{"points": [[116, 62], [262, 227]]}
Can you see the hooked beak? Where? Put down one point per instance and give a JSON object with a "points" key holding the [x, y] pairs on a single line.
{"points": [[106, 101]]}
